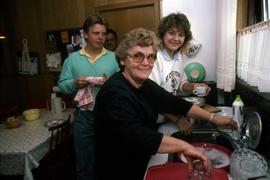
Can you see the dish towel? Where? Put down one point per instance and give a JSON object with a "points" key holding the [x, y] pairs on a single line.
{"points": [[85, 97]]}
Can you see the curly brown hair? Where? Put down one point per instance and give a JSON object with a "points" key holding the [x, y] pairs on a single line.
{"points": [[137, 37], [177, 20]]}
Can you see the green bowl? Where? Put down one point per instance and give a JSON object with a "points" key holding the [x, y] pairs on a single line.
{"points": [[195, 72]]}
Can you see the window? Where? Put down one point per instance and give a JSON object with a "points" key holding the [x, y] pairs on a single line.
{"points": [[253, 58], [266, 9]]}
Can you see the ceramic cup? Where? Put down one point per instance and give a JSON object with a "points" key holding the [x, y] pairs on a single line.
{"points": [[200, 91]]}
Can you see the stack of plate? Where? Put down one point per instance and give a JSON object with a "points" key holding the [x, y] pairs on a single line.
{"points": [[13, 122]]}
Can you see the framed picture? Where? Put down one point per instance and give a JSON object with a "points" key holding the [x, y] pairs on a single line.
{"points": [[61, 43]]}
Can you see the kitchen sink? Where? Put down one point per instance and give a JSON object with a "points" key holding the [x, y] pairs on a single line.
{"points": [[204, 136]]}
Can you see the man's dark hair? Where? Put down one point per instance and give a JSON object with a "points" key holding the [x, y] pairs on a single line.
{"points": [[113, 32], [92, 20]]}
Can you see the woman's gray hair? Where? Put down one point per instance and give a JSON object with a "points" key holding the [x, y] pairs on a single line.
{"points": [[137, 37]]}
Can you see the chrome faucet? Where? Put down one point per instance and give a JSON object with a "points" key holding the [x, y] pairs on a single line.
{"points": [[241, 142], [244, 139]]}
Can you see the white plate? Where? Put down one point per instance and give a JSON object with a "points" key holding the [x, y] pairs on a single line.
{"points": [[225, 111], [53, 122], [218, 158], [195, 100]]}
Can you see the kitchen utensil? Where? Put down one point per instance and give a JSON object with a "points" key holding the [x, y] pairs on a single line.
{"points": [[195, 72]]}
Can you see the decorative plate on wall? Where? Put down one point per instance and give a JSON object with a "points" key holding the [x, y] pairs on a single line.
{"points": [[195, 72], [193, 48]]}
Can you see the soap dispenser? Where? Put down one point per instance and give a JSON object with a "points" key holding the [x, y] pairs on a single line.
{"points": [[238, 110], [238, 115]]}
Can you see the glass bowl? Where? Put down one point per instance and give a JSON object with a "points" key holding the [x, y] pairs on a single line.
{"points": [[247, 164]]}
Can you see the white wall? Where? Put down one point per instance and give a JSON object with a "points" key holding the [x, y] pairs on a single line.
{"points": [[202, 17]]}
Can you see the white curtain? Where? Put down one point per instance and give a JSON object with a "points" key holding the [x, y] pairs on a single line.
{"points": [[226, 44], [253, 57]]}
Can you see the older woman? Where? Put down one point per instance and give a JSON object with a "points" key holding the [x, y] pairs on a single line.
{"points": [[126, 111]]}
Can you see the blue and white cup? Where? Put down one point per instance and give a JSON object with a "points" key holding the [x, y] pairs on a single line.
{"points": [[200, 91]]}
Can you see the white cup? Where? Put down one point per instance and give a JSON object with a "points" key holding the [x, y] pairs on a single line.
{"points": [[200, 91]]}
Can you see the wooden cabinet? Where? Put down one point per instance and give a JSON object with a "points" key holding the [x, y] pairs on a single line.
{"points": [[125, 16], [25, 91]]}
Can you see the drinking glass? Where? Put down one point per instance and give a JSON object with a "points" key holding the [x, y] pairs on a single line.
{"points": [[198, 172]]}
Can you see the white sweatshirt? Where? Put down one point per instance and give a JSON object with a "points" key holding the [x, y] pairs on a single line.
{"points": [[169, 73]]}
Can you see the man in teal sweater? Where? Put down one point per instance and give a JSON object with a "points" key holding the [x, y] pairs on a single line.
{"points": [[92, 61]]}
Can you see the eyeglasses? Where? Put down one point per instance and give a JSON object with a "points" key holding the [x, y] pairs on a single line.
{"points": [[139, 57]]}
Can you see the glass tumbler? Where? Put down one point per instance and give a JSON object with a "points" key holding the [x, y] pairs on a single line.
{"points": [[198, 172]]}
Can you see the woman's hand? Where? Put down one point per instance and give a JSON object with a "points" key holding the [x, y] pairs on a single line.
{"points": [[224, 121], [201, 114], [174, 145], [181, 122], [184, 126], [193, 154]]}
